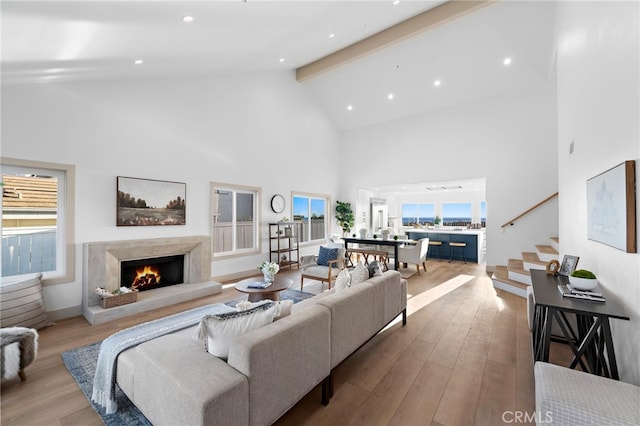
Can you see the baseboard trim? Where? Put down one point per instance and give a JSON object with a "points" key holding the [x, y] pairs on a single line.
{"points": [[64, 313]]}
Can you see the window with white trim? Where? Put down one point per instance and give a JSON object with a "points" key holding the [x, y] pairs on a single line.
{"points": [[312, 211], [234, 210], [37, 220]]}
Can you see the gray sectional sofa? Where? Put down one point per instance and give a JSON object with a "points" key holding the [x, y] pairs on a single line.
{"points": [[173, 380]]}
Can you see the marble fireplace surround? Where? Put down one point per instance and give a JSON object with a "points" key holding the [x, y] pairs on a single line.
{"points": [[101, 268]]}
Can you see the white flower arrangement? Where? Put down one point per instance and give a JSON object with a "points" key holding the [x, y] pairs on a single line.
{"points": [[269, 267], [103, 292]]}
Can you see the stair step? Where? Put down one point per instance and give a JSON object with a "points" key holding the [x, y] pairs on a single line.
{"points": [[555, 243], [501, 281], [546, 253], [532, 261], [517, 272]]}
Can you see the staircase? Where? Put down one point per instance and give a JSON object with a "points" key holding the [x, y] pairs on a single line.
{"points": [[515, 277]]}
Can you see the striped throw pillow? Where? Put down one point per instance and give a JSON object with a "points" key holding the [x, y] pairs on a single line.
{"points": [[21, 304]]}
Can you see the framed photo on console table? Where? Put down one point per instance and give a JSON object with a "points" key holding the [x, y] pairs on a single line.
{"points": [[611, 207], [147, 202], [568, 265]]}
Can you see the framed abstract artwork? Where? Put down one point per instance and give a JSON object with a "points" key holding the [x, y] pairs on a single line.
{"points": [[147, 202], [611, 207]]}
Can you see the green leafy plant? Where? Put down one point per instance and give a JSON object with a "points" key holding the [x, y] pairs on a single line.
{"points": [[583, 273], [345, 216], [395, 237], [437, 220]]}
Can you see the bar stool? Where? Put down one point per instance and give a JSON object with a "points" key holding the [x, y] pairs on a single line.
{"points": [[436, 245], [461, 246]]}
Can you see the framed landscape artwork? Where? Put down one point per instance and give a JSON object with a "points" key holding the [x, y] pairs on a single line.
{"points": [[611, 207], [147, 202]]}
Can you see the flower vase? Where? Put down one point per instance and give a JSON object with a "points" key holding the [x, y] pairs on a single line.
{"points": [[268, 277]]}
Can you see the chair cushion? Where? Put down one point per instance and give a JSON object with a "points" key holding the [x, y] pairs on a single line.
{"points": [[21, 303], [326, 254]]}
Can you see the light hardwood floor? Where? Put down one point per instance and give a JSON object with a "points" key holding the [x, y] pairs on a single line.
{"points": [[463, 358]]}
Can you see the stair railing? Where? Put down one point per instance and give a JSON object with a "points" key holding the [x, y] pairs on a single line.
{"points": [[526, 212]]}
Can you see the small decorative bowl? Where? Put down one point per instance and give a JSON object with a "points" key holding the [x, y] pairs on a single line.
{"points": [[583, 283]]}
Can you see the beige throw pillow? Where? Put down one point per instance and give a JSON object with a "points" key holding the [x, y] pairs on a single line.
{"points": [[21, 303], [359, 274]]}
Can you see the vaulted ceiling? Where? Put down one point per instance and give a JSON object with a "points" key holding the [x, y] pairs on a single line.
{"points": [[56, 41]]}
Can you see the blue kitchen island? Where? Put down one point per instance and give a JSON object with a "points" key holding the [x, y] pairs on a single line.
{"points": [[472, 237]]}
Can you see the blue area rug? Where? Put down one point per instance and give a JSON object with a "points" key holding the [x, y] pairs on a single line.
{"points": [[81, 363]]}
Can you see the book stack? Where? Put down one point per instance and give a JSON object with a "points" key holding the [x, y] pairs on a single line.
{"points": [[259, 284], [568, 290]]}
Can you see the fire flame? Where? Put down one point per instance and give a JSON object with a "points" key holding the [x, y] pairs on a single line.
{"points": [[147, 276]]}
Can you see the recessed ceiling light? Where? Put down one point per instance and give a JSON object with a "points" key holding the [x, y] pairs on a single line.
{"points": [[138, 61], [281, 59], [396, 2], [437, 83], [332, 35], [390, 96], [507, 61], [350, 107], [187, 19]]}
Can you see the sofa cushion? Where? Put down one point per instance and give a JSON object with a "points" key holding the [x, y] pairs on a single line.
{"points": [[326, 254], [283, 307], [343, 280], [21, 303], [221, 329], [359, 274], [375, 269]]}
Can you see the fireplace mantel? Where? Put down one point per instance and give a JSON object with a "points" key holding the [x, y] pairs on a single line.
{"points": [[101, 268]]}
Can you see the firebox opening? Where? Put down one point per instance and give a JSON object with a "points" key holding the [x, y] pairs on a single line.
{"points": [[147, 274]]}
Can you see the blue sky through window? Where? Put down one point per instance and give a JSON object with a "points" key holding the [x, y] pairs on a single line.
{"points": [[457, 210]]}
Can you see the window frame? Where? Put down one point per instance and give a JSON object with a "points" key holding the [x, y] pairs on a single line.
{"points": [[417, 207], [65, 265], [327, 213], [256, 191]]}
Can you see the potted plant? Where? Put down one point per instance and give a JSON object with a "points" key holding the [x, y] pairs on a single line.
{"points": [[344, 216], [583, 279], [437, 221]]}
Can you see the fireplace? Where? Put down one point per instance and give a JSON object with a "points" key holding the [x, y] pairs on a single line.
{"points": [[188, 277], [152, 273]]}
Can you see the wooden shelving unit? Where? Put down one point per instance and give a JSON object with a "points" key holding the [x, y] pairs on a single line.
{"points": [[284, 243]]}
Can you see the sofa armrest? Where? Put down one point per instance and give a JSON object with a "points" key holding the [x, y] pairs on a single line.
{"points": [[283, 361]]}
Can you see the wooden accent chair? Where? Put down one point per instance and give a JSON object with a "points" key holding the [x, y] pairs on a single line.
{"points": [[325, 266]]}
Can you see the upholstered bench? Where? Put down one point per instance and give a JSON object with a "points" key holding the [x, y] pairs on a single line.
{"points": [[570, 397]]}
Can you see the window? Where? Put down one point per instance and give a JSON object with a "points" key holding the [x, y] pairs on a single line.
{"points": [[235, 219], [456, 214], [37, 220], [483, 213], [417, 214], [311, 210]]}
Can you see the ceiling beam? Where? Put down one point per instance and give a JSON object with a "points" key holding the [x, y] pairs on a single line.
{"points": [[411, 27]]}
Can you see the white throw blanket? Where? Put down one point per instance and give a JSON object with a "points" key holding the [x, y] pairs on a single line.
{"points": [[104, 381]]}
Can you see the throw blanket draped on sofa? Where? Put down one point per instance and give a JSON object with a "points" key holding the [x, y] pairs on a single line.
{"points": [[104, 381]]}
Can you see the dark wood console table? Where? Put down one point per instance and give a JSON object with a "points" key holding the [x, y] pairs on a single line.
{"points": [[591, 343]]}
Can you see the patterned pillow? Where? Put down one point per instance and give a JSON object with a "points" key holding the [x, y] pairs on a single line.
{"points": [[375, 269], [343, 280], [283, 307], [359, 274], [222, 329], [326, 254], [21, 304]]}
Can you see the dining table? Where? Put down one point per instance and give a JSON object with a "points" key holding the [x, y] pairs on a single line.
{"points": [[379, 242]]}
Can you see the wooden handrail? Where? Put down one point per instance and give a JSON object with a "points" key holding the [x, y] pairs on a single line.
{"points": [[512, 221]]}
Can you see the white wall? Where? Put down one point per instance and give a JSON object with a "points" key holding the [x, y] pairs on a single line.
{"points": [[598, 109], [510, 140], [258, 130]]}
